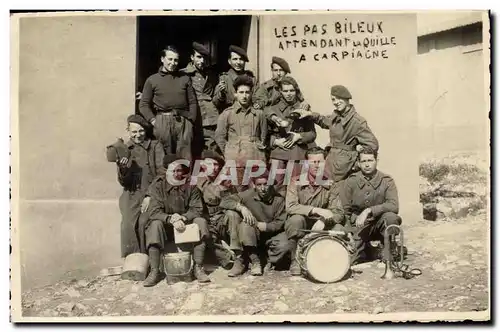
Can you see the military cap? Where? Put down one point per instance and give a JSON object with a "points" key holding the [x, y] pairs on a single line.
{"points": [[201, 49], [136, 118], [340, 91], [243, 80], [282, 63], [240, 51], [209, 154]]}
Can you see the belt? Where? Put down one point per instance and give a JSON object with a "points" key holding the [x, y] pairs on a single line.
{"points": [[344, 147], [167, 111]]}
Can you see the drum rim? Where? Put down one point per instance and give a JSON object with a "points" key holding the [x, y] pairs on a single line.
{"points": [[335, 239]]}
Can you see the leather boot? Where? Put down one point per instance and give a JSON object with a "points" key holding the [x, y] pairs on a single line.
{"points": [[154, 276], [238, 267], [256, 269], [200, 274], [294, 265]]}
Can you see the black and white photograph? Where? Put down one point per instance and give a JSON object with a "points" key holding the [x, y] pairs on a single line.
{"points": [[250, 166]]}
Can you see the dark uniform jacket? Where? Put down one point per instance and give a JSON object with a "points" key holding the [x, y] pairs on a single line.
{"points": [[305, 127], [379, 193], [267, 94], [346, 131], [272, 212], [168, 92]]}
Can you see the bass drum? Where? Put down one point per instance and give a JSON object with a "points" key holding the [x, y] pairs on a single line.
{"points": [[324, 258]]}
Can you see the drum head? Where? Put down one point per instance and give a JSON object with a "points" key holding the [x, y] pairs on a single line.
{"points": [[327, 260]]}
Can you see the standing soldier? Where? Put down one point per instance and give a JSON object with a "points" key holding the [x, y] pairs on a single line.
{"points": [[349, 133], [224, 92], [168, 101], [268, 93], [289, 142], [174, 204], [241, 129], [204, 79], [139, 161], [370, 200], [311, 205], [264, 215]]}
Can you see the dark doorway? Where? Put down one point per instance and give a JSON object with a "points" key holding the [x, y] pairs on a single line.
{"points": [[215, 32]]}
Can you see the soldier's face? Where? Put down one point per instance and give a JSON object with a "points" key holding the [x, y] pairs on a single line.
{"points": [[212, 164], [315, 162], [261, 187], [170, 61], [367, 163], [339, 104], [199, 60], [178, 171], [243, 94], [277, 72], [136, 133], [236, 62], [289, 93]]}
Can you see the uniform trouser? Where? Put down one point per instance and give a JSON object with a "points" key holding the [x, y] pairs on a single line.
{"points": [[175, 132], [130, 208], [275, 242], [373, 231], [158, 233], [224, 227], [295, 223]]}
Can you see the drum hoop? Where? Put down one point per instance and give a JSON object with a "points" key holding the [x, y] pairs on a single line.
{"points": [[304, 249]]}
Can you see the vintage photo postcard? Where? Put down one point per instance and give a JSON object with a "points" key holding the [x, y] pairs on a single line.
{"points": [[250, 166]]}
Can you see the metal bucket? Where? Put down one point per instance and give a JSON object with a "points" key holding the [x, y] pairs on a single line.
{"points": [[178, 267], [135, 267]]}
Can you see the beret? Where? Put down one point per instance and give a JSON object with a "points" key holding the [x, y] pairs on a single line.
{"points": [[243, 80], [240, 51], [209, 154], [136, 118], [340, 91], [201, 49], [282, 63]]}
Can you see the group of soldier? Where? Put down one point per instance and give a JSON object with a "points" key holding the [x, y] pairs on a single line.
{"points": [[195, 114]]}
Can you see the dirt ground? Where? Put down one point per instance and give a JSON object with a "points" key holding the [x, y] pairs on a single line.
{"points": [[453, 256]]}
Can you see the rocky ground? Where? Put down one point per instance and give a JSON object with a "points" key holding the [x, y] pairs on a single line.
{"points": [[452, 253]]}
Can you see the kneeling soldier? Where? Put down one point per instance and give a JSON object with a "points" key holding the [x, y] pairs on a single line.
{"points": [[264, 215], [173, 205], [314, 204], [370, 200]]}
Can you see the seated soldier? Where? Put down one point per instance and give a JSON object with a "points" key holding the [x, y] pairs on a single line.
{"points": [[263, 212], [222, 224], [173, 204], [313, 204], [370, 201]]}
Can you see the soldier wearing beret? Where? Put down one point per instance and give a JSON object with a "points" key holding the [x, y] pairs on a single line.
{"points": [[168, 101], [204, 80], [242, 130], [268, 92], [349, 132], [139, 161], [224, 92], [174, 204], [370, 202]]}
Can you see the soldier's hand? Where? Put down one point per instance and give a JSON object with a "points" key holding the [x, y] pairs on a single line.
{"points": [[261, 226], [361, 219], [303, 113], [359, 147], [174, 218], [318, 226], [145, 204], [289, 143], [280, 142], [153, 120], [324, 213], [138, 95], [179, 226], [123, 162], [248, 217], [221, 86]]}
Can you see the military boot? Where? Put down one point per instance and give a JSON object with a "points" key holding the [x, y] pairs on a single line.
{"points": [[154, 277], [200, 274], [256, 269], [295, 269], [238, 267]]}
